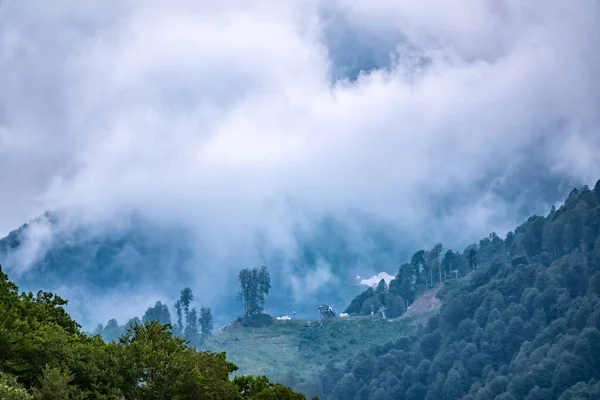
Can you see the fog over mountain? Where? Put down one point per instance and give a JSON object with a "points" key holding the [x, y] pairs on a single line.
{"points": [[185, 140]]}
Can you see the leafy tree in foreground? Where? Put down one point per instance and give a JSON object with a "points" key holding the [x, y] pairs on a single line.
{"points": [[260, 388], [10, 389], [44, 356]]}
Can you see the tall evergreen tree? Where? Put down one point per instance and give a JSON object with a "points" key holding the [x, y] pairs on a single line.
{"points": [[206, 323], [406, 290], [191, 327], [418, 263], [381, 291], [449, 263], [264, 284], [244, 277], [179, 311], [255, 285], [434, 262], [186, 298], [160, 312], [472, 258]]}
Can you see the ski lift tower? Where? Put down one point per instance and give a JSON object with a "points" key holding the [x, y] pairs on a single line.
{"points": [[382, 311]]}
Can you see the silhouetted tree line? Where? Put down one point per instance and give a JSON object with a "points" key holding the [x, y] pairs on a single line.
{"points": [[524, 324], [189, 325], [255, 285]]}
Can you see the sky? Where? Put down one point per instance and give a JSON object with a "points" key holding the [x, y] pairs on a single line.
{"points": [[239, 119]]}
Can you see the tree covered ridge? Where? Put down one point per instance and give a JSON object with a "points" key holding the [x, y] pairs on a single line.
{"points": [[45, 356], [524, 324], [425, 270]]}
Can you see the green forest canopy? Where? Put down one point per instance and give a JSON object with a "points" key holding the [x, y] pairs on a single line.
{"points": [[45, 356], [523, 323]]}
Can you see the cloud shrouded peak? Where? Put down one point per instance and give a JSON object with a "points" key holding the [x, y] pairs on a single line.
{"points": [[243, 120]]}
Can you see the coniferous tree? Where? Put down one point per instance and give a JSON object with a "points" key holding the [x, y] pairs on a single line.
{"points": [[191, 328], [472, 258], [434, 262], [522, 327], [206, 323], [449, 263], [254, 292], [179, 311], [420, 271], [186, 298], [407, 291], [264, 284], [255, 285], [160, 312], [381, 291], [244, 277]]}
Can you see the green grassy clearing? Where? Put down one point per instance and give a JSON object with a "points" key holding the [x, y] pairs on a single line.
{"points": [[291, 350]]}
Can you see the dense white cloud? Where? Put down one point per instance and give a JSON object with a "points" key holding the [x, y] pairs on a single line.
{"points": [[223, 116]]}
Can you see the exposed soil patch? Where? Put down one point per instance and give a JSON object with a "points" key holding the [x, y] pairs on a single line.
{"points": [[425, 303]]}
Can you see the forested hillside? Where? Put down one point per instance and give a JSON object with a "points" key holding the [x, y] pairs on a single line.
{"points": [[520, 320], [45, 356], [524, 324]]}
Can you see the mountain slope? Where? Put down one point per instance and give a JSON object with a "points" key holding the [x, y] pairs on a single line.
{"points": [[292, 351], [525, 324]]}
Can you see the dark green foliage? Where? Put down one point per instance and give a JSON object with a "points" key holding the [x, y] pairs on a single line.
{"points": [[523, 325], [424, 271], [371, 300], [260, 388], [179, 311], [255, 285], [10, 389], [258, 320], [357, 303], [160, 313], [191, 329], [472, 258], [206, 323], [186, 297], [44, 356], [55, 385]]}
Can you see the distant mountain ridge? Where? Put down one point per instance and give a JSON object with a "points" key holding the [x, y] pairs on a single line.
{"points": [[83, 262]]}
